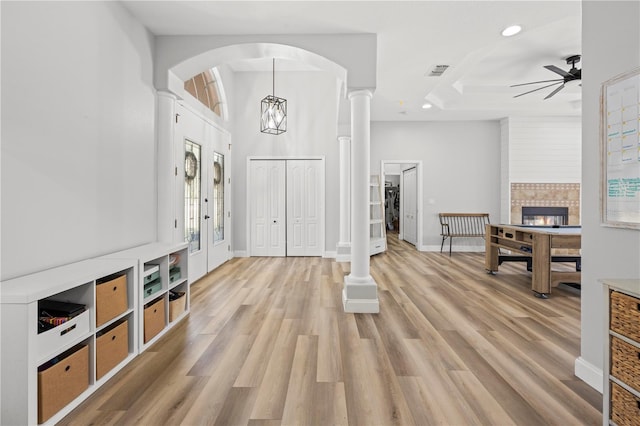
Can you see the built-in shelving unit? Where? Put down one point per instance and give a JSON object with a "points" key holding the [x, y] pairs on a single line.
{"points": [[56, 361], [46, 372], [377, 231], [164, 295]]}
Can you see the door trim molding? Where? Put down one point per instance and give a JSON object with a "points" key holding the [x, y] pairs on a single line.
{"points": [[419, 190], [248, 195]]}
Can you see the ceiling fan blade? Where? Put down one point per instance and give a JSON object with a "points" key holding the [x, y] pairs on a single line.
{"points": [[554, 92], [536, 82], [558, 70], [539, 88]]}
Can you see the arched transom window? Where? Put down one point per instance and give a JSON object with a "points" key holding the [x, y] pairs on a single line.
{"points": [[204, 87]]}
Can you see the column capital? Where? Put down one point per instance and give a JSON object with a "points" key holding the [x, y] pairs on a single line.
{"points": [[166, 94], [344, 139], [360, 92]]}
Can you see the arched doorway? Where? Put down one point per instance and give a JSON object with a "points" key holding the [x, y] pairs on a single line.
{"points": [[184, 140]]}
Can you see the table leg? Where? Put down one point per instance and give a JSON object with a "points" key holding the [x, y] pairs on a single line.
{"points": [[491, 251], [541, 271]]}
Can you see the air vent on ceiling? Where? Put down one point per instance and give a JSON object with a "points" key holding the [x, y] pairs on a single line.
{"points": [[437, 70]]}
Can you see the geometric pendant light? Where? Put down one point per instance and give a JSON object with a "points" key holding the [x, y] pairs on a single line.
{"points": [[273, 111]]}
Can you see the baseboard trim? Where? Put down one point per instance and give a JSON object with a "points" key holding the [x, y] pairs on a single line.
{"points": [[343, 258], [329, 255], [588, 373], [240, 253], [360, 306]]}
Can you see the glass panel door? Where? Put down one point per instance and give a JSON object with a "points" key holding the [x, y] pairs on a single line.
{"points": [[218, 197], [192, 198], [218, 185]]}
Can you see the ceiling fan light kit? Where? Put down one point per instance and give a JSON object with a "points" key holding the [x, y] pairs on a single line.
{"points": [[569, 78]]}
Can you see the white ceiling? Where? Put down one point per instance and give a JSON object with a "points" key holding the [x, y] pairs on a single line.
{"points": [[414, 36]]}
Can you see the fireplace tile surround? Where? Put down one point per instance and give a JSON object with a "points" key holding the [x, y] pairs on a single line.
{"points": [[545, 195]]}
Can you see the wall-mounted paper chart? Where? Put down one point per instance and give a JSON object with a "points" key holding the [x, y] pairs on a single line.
{"points": [[620, 121]]}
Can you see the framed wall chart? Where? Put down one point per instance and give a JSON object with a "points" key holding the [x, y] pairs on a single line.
{"points": [[620, 142]]}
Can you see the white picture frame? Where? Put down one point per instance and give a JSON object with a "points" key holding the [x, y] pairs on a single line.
{"points": [[620, 151]]}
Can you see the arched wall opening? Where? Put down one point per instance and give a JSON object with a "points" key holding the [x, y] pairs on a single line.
{"points": [[180, 57], [318, 99], [315, 90], [186, 69]]}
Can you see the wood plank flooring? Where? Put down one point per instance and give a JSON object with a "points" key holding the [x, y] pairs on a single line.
{"points": [[267, 343]]}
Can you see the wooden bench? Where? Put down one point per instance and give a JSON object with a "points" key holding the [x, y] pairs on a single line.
{"points": [[463, 225]]}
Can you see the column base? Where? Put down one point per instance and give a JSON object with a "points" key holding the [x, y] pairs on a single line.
{"points": [[360, 295], [343, 252]]}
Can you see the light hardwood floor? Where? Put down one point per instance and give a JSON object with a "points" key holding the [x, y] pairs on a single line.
{"points": [[267, 343]]}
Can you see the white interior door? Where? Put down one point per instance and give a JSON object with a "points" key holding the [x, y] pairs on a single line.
{"points": [[409, 205], [218, 201], [267, 207], [305, 201]]}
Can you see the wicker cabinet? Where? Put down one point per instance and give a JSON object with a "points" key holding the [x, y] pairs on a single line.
{"points": [[621, 404]]}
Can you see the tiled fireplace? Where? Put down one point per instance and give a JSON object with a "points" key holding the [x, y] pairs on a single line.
{"points": [[555, 197]]}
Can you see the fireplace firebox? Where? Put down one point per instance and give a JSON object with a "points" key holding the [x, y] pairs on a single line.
{"points": [[545, 216]]}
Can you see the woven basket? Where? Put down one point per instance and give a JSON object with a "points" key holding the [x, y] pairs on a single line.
{"points": [[625, 362], [625, 408], [625, 315]]}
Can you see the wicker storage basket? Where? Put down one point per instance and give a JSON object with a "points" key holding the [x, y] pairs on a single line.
{"points": [[625, 315], [624, 362], [625, 407]]}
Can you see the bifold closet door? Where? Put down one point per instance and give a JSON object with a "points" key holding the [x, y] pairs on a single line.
{"points": [[304, 207], [268, 207]]}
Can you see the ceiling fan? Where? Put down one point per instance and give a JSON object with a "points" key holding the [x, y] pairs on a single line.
{"points": [[573, 74]]}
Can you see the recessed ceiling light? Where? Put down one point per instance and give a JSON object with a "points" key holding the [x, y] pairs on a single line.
{"points": [[512, 30], [426, 105]]}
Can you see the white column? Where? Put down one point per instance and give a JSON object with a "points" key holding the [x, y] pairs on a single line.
{"points": [[165, 119], [360, 292], [343, 248]]}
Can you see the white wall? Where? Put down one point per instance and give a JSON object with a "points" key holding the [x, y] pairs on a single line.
{"points": [[227, 77], [78, 150], [538, 150], [311, 131], [545, 149], [461, 168], [611, 46], [505, 190]]}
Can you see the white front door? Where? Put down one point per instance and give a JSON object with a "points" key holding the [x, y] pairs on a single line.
{"points": [[190, 143], [218, 201], [305, 200], [409, 205], [203, 219], [267, 205]]}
